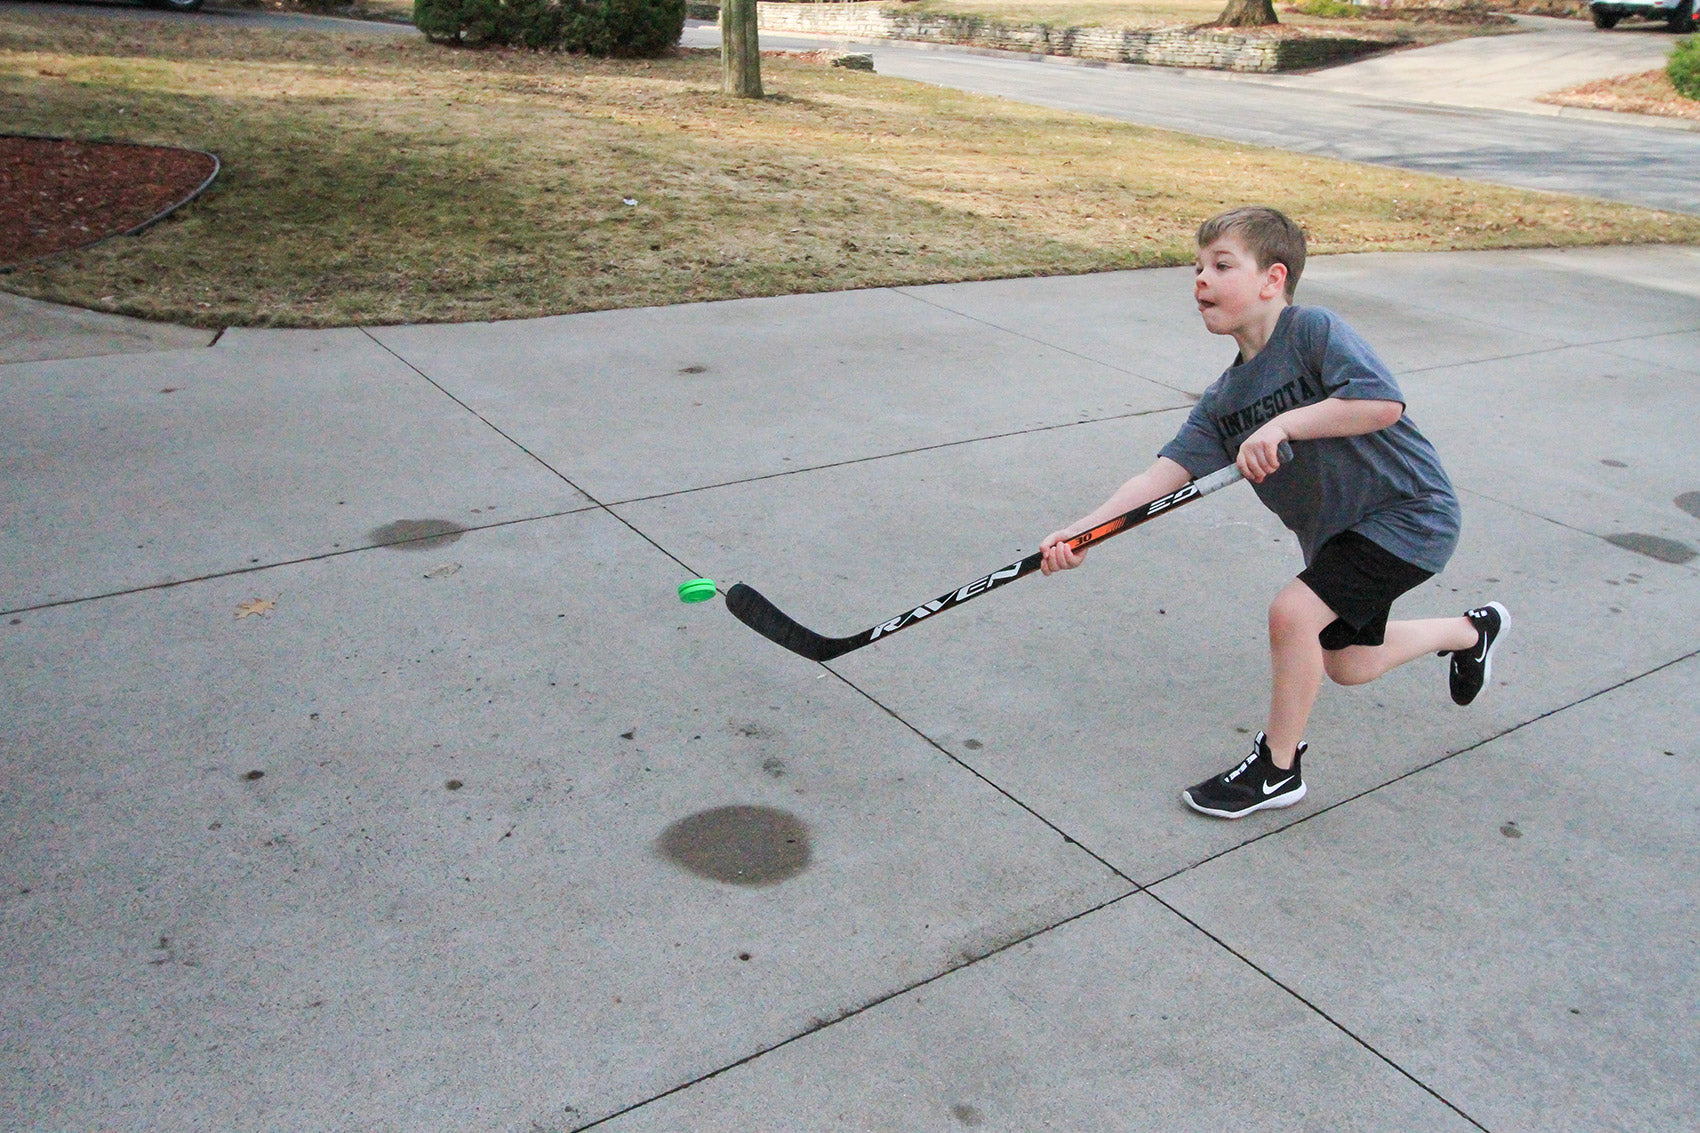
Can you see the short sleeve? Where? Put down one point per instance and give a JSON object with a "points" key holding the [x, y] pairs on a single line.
{"points": [[1347, 365], [1197, 447]]}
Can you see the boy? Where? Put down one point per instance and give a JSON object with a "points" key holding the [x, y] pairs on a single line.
{"points": [[1364, 492]]}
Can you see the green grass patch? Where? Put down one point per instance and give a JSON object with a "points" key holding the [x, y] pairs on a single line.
{"points": [[368, 181], [1683, 68], [1330, 9]]}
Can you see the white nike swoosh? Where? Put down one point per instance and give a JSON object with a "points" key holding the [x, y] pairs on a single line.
{"points": [[1271, 788]]}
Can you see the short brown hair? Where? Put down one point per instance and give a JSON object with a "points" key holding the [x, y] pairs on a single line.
{"points": [[1267, 235]]}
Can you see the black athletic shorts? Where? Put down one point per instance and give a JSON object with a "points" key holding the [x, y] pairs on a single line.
{"points": [[1358, 579]]}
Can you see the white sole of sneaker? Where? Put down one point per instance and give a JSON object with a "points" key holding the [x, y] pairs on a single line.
{"points": [[1275, 803], [1504, 625]]}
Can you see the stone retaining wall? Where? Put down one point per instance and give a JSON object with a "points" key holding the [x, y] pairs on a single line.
{"points": [[1164, 47]]}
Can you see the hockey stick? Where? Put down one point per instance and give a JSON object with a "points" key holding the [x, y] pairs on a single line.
{"points": [[755, 611]]}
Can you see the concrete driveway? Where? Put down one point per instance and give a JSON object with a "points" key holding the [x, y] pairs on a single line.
{"points": [[1501, 72], [359, 768]]}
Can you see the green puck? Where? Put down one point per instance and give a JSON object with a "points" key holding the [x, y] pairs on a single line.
{"points": [[696, 590]]}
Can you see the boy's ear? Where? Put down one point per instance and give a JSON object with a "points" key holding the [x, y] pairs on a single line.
{"points": [[1274, 281]]}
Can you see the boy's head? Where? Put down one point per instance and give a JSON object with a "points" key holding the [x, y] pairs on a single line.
{"points": [[1267, 234]]}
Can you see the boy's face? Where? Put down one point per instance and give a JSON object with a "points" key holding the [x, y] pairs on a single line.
{"points": [[1232, 292]]}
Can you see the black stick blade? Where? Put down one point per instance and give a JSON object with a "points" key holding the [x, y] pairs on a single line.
{"points": [[777, 626]]}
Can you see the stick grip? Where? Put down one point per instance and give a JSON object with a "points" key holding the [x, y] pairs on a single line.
{"points": [[1192, 490]]}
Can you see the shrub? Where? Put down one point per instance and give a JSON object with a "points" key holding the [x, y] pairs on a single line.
{"points": [[598, 27], [1684, 67], [626, 27], [1330, 9]]}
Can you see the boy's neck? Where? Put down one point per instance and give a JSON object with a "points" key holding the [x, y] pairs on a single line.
{"points": [[1256, 332]]}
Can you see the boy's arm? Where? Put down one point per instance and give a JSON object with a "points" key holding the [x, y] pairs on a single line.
{"points": [[1330, 417], [1160, 479]]}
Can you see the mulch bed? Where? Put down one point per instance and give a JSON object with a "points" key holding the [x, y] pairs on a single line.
{"points": [[58, 195]]}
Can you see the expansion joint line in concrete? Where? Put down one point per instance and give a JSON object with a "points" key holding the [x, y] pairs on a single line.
{"points": [[1133, 891], [1559, 523], [1433, 763], [233, 572], [1318, 1012], [1467, 363], [874, 458], [599, 505], [1146, 891], [992, 783], [1046, 343], [1603, 345], [851, 1013], [1150, 891]]}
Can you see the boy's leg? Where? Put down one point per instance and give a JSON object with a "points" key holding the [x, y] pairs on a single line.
{"points": [[1297, 618], [1405, 641]]}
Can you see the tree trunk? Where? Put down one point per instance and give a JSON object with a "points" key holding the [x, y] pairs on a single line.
{"points": [[1247, 14], [740, 54]]}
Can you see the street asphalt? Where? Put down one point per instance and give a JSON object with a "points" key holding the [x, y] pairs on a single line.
{"points": [[361, 770], [1465, 109]]}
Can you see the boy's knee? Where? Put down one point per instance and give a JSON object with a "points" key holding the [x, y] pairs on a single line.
{"points": [[1289, 615]]}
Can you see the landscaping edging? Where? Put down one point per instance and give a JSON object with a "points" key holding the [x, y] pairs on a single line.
{"points": [[68, 194], [1210, 48]]}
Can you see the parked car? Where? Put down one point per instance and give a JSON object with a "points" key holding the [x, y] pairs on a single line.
{"points": [[1678, 14]]}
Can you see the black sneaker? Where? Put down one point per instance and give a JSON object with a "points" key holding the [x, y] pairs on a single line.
{"points": [[1473, 668], [1256, 784]]}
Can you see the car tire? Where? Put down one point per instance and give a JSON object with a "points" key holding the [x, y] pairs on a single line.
{"points": [[1604, 20], [1682, 19]]}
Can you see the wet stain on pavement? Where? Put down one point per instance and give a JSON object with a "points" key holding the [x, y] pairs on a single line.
{"points": [[1690, 503], [967, 1114], [1655, 547], [740, 845], [416, 534]]}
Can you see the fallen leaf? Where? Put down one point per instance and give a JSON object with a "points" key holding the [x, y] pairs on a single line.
{"points": [[256, 607], [442, 571]]}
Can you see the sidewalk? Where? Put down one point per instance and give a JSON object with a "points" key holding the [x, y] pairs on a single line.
{"points": [[308, 828]]}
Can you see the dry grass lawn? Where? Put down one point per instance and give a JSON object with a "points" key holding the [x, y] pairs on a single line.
{"points": [[369, 181], [1650, 92]]}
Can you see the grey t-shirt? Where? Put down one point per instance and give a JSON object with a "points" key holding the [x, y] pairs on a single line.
{"points": [[1387, 485]]}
